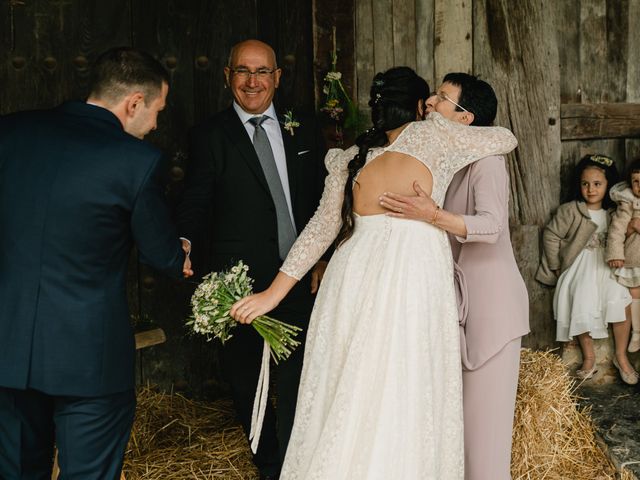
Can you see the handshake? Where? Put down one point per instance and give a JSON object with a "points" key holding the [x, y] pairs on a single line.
{"points": [[186, 267]]}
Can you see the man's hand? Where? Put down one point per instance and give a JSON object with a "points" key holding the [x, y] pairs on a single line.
{"points": [[421, 207], [186, 246], [616, 263], [316, 275], [186, 267]]}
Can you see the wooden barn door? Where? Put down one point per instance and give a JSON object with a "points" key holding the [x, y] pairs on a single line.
{"points": [[46, 50]]}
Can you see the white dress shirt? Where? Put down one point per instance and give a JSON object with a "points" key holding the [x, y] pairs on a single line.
{"points": [[272, 127]]}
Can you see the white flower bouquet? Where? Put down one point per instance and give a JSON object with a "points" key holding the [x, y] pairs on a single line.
{"points": [[212, 302]]}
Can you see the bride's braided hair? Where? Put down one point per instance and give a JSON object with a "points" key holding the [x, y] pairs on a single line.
{"points": [[393, 100]]}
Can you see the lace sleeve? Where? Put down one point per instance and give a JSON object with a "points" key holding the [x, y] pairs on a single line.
{"points": [[447, 145], [325, 224], [467, 144]]}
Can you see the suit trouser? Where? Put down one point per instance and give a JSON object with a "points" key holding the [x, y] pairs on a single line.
{"points": [[91, 434], [241, 358], [489, 397]]}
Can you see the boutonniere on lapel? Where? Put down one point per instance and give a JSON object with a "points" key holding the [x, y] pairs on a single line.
{"points": [[290, 123]]}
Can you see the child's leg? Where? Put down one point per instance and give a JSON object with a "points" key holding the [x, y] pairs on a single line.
{"points": [[621, 362], [634, 344], [588, 353]]}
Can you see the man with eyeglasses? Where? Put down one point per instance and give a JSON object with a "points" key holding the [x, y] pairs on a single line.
{"points": [[254, 180], [476, 216]]}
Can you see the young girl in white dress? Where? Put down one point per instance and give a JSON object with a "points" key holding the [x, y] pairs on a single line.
{"points": [[381, 389], [587, 297], [623, 244]]}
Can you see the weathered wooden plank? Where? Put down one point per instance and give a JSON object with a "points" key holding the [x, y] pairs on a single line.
{"points": [[364, 51], [164, 29], [632, 147], [568, 34], [601, 67], [525, 239], [617, 38], [515, 53], [382, 14], [48, 47], [214, 30], [600, 120], [148, 338], [520, 59], [404, 33], [425, 33], [334, 16], [593, 50], [453, 37], [338, 16], [287, 26]]}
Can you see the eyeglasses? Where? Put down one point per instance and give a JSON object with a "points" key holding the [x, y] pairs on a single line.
{"points": [[444, 97], [245, 73]]}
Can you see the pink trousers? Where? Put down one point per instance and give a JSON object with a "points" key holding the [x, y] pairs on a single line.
{"points": [[489, 396]]}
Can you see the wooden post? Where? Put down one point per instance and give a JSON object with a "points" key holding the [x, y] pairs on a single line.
{"points": [[515, 53], [632, 147], [404, 33], [453, 50], [425, 36]]}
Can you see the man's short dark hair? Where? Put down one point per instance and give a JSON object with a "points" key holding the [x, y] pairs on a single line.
{"points": [[476, 95], [119, 70]]}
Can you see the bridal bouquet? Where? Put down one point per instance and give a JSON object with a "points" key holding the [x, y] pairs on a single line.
{"points": [[212, 302]]}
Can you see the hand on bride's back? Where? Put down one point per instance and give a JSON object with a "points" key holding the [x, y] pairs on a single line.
{"points": [[419, 207], [249, 308]]}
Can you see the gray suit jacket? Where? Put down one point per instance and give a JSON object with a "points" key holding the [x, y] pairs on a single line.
{"points": [[496, 296]]}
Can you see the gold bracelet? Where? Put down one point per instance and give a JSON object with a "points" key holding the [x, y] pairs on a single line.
{"points": [[435, 215]]}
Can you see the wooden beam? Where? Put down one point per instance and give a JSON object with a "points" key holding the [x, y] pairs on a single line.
{"points": [[149, 338], [580, 121], [453, 37]]}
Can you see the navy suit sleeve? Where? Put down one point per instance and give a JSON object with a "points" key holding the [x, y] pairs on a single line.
{"points": [[153, 232]]}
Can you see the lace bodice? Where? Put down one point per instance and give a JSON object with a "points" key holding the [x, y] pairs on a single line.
{"points": [[443, 146]]}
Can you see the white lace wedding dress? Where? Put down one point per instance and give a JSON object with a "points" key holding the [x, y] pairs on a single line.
{"points": [[380, 394]]}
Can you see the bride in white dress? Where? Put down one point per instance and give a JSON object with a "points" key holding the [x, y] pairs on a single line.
{"points": [[380, 394]]}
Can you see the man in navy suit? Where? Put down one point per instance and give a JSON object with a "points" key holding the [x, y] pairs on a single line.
{"points": [[78, 188], [255, 179]]}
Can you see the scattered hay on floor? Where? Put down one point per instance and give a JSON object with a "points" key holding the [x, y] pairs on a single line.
{"points": [[553, 438], [177, 438]]}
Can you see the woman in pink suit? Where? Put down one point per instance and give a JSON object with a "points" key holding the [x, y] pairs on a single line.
{"points": [[476, 215]]}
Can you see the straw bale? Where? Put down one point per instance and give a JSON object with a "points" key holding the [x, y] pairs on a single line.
{"points": [[553, 437]]}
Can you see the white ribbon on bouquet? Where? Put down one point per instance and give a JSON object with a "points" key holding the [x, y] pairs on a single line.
{"points": [[261, 399]]}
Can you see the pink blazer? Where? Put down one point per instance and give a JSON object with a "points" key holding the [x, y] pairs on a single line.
{"points": [[496, 297]]}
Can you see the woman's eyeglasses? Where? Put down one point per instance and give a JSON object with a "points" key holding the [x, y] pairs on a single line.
{"points": [[444, 97]]}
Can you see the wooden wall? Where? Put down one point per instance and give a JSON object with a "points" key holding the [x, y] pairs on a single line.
{"points": [[46, 49]]}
